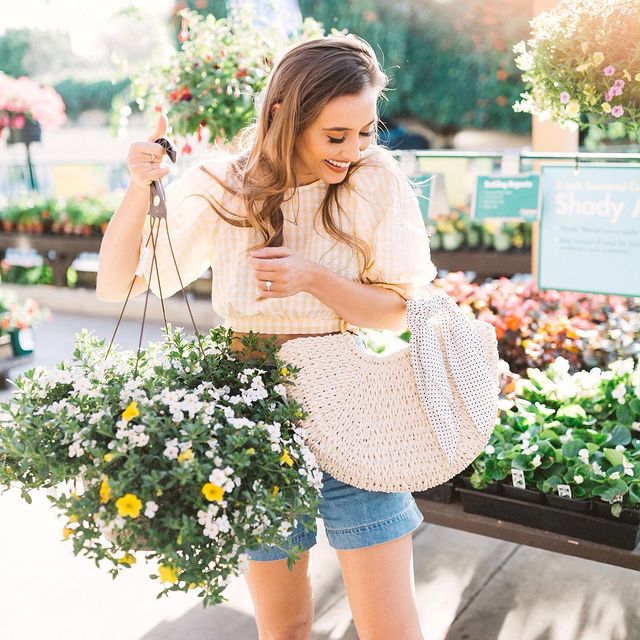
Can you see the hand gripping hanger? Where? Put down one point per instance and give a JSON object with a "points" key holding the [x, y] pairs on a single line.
{"points": [[158, 213]]}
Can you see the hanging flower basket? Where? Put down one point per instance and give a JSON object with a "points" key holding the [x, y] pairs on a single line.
{"points": [[187, 450], [582, 65]]}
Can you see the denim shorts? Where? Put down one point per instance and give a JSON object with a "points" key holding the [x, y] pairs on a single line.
{"points": [[353, 518]]}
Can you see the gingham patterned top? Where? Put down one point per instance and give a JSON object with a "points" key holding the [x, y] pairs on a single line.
{"points": [[380, 209]]}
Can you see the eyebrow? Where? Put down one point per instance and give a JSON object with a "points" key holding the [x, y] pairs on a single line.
{"points": [[346, 128]]}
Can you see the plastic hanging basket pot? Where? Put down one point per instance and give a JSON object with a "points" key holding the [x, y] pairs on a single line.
{"points": [[28, 133]]}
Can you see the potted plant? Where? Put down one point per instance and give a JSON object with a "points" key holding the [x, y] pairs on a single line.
{"points": [[17, 320], [185, 451], [26, 107], [578, 69], [221, 65]]}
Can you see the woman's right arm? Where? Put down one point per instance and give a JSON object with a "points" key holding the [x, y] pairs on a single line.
{"points": [[120, 246]]}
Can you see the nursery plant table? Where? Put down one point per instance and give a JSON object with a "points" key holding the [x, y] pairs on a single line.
{"points": [[484, 262], [65, 247], [452, 515]]}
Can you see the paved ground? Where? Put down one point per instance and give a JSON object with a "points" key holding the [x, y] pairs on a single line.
{"points": [[468, 587]]}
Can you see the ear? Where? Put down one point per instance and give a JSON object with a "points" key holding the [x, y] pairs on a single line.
{"points": [[274, 109]]}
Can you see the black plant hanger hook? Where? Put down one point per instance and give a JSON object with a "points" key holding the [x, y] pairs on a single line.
{"points": [[157, 212]]}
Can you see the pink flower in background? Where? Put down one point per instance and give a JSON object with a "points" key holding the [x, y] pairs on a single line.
{"points": [[564, 97], [609, 95], [17, 122], [609, 71], [25, 98], [617, 111]]}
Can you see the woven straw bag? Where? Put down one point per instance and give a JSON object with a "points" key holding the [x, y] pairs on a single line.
{"points": [[407, 421]]}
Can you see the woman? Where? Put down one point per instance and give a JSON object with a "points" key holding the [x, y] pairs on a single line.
{"points": [[309, 228]]}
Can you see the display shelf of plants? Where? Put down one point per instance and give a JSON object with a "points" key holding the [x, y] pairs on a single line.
{"points": [[565, 452]]}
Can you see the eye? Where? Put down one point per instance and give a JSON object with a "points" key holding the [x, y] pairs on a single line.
{"points": [[368, 134]]}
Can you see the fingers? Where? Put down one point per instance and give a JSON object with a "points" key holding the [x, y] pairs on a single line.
{"points": [[162, 124]]}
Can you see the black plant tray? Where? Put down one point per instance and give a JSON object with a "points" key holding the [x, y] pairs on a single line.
{"points": [[465, 483], [442, 493], [541, 516]]}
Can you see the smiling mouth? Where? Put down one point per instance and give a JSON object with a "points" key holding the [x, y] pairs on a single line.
{"points": [[338, 168]]}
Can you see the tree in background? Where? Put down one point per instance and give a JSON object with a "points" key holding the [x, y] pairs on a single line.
{"points": [[449, 69]]}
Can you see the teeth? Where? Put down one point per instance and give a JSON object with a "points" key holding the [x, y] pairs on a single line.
{"points": [[341, 165]]}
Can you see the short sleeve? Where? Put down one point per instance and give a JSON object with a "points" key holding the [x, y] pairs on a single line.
{"points": [[399, 241], [191, 224]]}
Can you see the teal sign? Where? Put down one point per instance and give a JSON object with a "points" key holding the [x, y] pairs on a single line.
{"points": [[432, 195], [590, 229], [507, 197], [423, 186]]}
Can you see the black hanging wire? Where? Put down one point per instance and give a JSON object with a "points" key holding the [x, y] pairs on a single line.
{"points": [[157, 212]]}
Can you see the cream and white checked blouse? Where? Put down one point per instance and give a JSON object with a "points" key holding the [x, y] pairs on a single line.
{"points": [[380, 210]]}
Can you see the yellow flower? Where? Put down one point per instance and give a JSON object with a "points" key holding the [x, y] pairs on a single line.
{"points": [[167, 574], [129, 505], [131, 411], [105, 490], [637, 77], [573, 108], [185, 455], [284, 371], [626, 75], [107, 457], [66, 532], [73, 518], [598, 58], [212, 492], [583, 67], [606, 107], [276, 488], [159, 492], [286, 458], [127, 559], [251, 451]]}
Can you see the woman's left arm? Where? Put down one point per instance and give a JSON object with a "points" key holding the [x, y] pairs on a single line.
{"points": [[363, 305]]}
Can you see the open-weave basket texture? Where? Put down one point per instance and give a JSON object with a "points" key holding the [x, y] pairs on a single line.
{"points": [[406, 421]]}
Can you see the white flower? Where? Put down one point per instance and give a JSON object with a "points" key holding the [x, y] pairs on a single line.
{"points": [[281, 389], [584, 454], [615, 475], [536, 460], [619, 392], [578, 479], [150, 509], [597, 469], [171, 449], [622, 367], [75, 449], [620, 447], [489, 449]]}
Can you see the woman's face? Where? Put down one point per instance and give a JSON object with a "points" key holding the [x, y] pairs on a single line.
{"points": [[344, 128]]}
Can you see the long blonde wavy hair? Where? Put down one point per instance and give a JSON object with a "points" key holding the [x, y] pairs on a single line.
{"points": [[304, 79]]}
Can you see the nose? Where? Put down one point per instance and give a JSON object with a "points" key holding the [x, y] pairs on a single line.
{"points": [[353, 151]]}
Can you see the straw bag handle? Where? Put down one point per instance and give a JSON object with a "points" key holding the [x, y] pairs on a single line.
{"points": [[352, 328]]}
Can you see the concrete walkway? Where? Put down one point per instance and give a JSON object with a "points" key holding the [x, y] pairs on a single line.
{"points": [[468, 587]]}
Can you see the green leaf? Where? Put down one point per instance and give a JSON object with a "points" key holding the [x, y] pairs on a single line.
{"points": [[620, 435], [570, 449], [614, 457], [624, 414]]}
